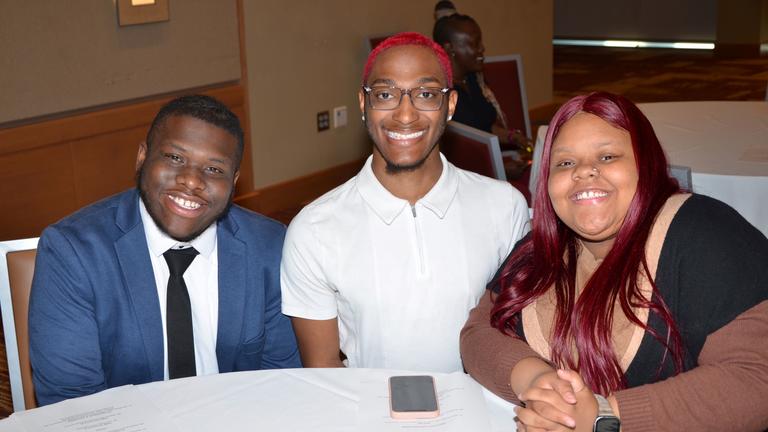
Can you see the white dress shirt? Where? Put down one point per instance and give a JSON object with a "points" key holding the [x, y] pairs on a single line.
{"points": [[202, 280], [401, 279]]}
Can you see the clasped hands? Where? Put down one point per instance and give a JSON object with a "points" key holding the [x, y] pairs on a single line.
{"points": [[557, 401]]}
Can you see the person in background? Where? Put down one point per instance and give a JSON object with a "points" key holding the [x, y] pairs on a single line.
{"points": [[477, 106], [386, 267], [444, 8], [164, 280], [630, 305]]}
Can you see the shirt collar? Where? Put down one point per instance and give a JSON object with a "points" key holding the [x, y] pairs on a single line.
{"points": [[387, 206], [159, 242]]}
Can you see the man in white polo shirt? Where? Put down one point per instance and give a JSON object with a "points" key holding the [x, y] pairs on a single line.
{"points": [[384, 269]]}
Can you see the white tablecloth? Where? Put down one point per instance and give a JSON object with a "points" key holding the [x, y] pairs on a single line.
{"points": [[726, 146], [282, 400]]}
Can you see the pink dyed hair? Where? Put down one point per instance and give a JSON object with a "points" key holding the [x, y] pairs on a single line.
{"points": [[410, 38], [548, 258]]}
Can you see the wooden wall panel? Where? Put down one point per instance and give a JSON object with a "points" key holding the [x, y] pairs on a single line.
{"points": [[37, 189], [51, 168], [296, 193], [105, 164]]}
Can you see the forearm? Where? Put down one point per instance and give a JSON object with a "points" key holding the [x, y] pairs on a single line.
{"points": [[727, 391], [501, 132], [318, 342], [614, 405], [488, 355], [525, 372], [313, 362]]}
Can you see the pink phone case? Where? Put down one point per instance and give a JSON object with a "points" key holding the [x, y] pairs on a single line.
{"points": [[413, 415]]}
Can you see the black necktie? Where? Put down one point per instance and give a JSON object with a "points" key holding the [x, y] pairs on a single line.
{"points": [[178, 315]]}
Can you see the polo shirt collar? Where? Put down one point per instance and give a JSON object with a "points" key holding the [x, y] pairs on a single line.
{"points": [[387, 206]]}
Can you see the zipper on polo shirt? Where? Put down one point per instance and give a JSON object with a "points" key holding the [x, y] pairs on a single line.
{"points": [[419, 243]]}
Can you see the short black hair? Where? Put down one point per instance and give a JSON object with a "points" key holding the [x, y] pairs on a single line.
{"points": [[444, 4], [446, 27], [205, 108]]}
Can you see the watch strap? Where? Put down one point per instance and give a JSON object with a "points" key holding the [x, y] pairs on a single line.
{"points": [[606, 420], [603, 407]]}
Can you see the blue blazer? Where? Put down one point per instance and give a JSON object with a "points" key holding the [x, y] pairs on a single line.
{"points": [[94, 315]]}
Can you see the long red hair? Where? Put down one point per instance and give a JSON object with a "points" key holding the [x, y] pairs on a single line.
{"points": [[547, 259]]}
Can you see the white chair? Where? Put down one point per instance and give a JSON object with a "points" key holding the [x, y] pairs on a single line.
{"points": [[536, 163], [683, 176], [473, 150], [16, 269]]}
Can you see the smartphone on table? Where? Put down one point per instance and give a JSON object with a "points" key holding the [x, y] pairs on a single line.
{"points": [[412, 397]]}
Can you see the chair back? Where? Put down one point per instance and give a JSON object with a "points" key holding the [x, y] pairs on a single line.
{"points": [[504, 75], [683, 176], [473, 150], [16, 269], [538, 148]]}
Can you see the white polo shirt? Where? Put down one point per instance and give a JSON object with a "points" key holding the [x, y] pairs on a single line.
{"points": [[400, 279]]}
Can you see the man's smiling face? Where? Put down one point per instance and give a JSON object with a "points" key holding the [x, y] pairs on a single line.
{"points": [[187, 176], [406, 137]]}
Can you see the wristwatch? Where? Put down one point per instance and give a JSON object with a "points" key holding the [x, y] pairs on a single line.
{"points": [[606, 420]]}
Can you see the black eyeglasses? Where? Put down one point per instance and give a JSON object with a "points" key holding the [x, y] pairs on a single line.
{"points": [[389, 98]]}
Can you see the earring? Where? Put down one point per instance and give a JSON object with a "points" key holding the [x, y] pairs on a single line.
{"points": [[363, 118], [449, 117]]}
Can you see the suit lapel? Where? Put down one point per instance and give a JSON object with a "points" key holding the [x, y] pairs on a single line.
{"points": [[232, 293], [133, 255]]}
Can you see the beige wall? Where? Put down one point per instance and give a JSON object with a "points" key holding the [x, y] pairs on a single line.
{"points": [[522, 27], [303, 57], [57, 56], [307, 57]]}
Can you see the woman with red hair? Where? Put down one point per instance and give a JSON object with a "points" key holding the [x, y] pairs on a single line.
{"points": [[630, 304]]}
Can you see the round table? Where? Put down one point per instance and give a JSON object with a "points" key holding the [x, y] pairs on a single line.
{"points": [[332, 400], [726, 146]]}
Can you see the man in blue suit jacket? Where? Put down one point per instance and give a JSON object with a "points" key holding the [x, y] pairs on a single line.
{"points": [[97, 311]]}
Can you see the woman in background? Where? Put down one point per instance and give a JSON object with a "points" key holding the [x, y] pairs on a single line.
{"points": [[629, 299], [462, 39], [444, 8]]}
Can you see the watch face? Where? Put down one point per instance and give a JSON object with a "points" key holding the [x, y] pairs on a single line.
{"points": [[607, 424]]}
